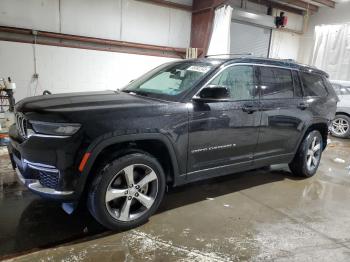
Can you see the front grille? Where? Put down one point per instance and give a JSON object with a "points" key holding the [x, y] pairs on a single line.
{"points": [[48, 179], [21, 124]]}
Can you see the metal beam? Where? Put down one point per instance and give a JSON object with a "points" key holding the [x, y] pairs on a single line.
{"points": [[301, 4], [23, 35], [168, 4], [328, 3], [276, 5]]}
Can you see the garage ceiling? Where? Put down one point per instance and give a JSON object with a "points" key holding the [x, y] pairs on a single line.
{"points": [[311, 5], [296, 6], [302, 5]]}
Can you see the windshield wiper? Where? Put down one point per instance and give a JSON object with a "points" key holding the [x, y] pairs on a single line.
{"points": [[136, 92]]}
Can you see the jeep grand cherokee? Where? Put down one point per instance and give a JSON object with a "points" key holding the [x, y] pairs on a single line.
{"points": [[184, 121]]}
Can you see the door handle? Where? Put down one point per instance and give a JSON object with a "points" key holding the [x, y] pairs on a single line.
{"points": [[249, 109], [303, 105]]}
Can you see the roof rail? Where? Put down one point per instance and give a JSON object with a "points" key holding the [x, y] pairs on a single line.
{"points": [[289, 60], [232, 54]]}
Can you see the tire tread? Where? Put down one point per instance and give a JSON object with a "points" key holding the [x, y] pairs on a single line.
{"points": [[298, 164]]}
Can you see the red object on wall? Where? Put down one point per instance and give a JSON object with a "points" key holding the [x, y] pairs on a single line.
{"points": [[284, 21], [281, 20]]}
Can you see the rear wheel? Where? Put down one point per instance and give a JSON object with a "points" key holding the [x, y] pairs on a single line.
{"points": [[127, 191], [341, 126], [308, 156]]}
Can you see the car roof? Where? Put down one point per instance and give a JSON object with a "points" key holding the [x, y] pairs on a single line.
{"points": [[288, 63]]}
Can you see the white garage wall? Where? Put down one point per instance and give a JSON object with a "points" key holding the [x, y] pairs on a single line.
{"points": [[126, 20], [91, 18], [295, 21], [18, 64], [337, 15], [284, 45], [63, 69], [41, 15]]}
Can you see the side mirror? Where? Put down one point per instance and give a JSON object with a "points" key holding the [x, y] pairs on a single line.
{"points": [[213, 93]]}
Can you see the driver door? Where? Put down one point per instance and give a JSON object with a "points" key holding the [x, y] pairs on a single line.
{"points": [[223, 135]]}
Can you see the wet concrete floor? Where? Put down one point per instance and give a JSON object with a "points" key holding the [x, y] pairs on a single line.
{"points": [[257, 216]]}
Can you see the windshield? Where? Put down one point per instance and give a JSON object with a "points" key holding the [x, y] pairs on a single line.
{"points": [[170, 80]]}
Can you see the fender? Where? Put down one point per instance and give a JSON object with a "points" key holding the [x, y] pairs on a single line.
{"points": [[99, 144], [307, 125]]}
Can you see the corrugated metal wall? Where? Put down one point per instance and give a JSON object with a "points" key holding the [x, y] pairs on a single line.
{"points": [[246, 38], [126, 20]]}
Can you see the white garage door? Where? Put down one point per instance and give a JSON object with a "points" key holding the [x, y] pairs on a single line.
{"points": [[247, 38]]}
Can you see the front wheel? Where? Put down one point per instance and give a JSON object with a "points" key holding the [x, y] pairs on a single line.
{"points": [[308, 156], [127, 191]]}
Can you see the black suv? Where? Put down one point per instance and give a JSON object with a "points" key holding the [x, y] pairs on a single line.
{"points": [[184, 121]]}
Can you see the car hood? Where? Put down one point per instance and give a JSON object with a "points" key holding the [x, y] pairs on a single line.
{"points": [[81, 102]]}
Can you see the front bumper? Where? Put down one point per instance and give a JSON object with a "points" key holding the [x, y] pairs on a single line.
{"points": [[46, 167], [35, 186]]}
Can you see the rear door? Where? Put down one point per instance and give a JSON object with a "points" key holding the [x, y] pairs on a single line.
{"points": [[282, 114], [317, 100]]}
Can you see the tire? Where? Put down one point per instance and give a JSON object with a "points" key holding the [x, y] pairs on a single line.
{"points": [[310, 148], [341, 126], [127, 191]]}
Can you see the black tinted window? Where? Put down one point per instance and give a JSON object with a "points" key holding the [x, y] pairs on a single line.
{"points": [[276, 83], [313, 85], [239, 80], [297, 84]]}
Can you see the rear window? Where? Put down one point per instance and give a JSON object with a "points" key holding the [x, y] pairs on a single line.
{"points": [[313, 85], [276, 83]]}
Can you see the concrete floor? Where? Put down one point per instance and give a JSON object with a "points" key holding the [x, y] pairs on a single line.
{"points": [[257, 215]]}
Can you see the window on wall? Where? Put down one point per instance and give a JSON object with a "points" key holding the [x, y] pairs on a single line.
{"points": [[239, 80], [276, 83], [313, 85]]}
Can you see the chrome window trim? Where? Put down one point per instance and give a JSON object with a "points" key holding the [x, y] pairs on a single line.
{"points": [[239, 64]]}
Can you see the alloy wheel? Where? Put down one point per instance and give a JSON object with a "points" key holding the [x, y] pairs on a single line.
{"points": [[313, 154], [131, 192], [340, 126]]}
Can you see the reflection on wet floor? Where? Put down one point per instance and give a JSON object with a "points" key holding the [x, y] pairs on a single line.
{"points": [[264, 214], [28, 222]]}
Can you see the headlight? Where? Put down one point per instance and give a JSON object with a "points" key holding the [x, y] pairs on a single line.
{"points": [[52, 129]]}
